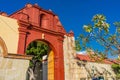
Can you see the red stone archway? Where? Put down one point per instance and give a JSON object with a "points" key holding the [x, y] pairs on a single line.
{"points": [[52, 33]]}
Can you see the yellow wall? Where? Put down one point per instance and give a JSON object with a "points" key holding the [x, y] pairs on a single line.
{"points": [[51, 66], [9, 33]]}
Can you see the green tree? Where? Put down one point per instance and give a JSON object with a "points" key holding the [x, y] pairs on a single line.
{"points": [[38, 50], [116, 68], [99, 32]]}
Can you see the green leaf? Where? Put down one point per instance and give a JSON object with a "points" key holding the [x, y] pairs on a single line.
{"points": [[38, 49], [87, 28]]}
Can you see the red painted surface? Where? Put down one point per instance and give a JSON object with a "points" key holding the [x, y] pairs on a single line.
{"points": [[39, 24]]}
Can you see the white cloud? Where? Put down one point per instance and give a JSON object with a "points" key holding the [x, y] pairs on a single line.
{"points": [[81, 52]]}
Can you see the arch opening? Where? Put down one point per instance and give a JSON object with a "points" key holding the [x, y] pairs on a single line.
{"points": [[41, 66]]}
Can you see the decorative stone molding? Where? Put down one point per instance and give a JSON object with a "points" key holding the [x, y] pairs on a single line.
{"points": [[17, 56], [4, 52], [28, 5], [70, 34]]}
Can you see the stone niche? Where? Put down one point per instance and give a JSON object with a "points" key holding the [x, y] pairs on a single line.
{"points": [[13, 67]]}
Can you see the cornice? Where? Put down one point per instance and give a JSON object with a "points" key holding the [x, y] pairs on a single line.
{"points": [[27, 26], [16, 12], [17, 56], [48, 31], [33, 6], [47, 11]]}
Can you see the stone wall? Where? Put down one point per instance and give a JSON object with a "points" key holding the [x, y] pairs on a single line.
{"points": [[79, 70], [86, 70], [13, 69], [69, 55], [100, 68]]}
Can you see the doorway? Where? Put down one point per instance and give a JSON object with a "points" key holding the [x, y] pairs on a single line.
{"points": [[41, 67]]}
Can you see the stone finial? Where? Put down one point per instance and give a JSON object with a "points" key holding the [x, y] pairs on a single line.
{"points": [[56, 17], [3, 14], [71, 33], [28, 5], [36, 4], [59, 23], [50, 10]]}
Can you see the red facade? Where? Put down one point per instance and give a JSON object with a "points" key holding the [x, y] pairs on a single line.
{"points": [[39, 24]]}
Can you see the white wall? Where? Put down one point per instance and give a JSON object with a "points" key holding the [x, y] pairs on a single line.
{"points": [[13, 69]]}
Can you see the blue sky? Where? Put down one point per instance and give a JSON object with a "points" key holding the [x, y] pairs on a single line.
{"points": [[73, 14]]}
